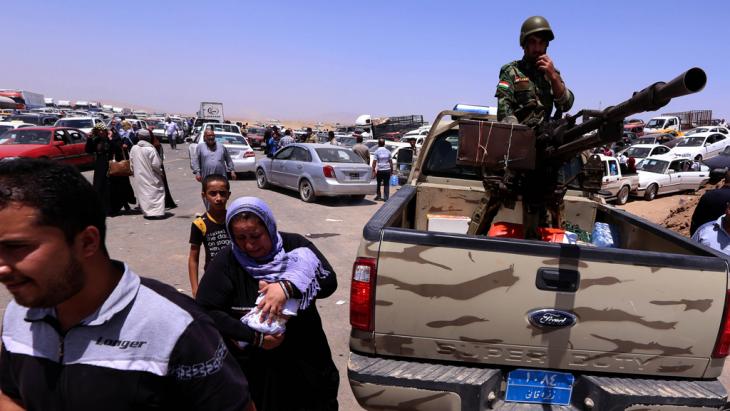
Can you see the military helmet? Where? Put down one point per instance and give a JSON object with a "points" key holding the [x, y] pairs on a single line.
{"points": [[533, 25]]}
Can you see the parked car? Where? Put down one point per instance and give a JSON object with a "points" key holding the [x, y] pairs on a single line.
{"points": [[12, 125], [708, 129], [255, 137], [39, 119], [346, 141], [718, 165], [667, 174], [66, 145], [243, 156], [316, 170], [641, 151], [85, 124], [700, 146], [658, 138]]}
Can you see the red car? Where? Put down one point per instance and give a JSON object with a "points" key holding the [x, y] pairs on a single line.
{"points": [[64, 144], [255, 137]]}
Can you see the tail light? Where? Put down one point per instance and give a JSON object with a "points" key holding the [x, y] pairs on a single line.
{"points": [[362, 294], [249, 154], [722, 346], [329, 171]]}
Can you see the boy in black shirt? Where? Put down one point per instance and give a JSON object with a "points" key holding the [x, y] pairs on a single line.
{"points": [[209, 229]]}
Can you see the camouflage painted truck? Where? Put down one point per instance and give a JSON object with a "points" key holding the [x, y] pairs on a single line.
{"points": [[453, 321]]}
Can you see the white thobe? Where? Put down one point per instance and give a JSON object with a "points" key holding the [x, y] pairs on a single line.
{"points": [[147, 179]]}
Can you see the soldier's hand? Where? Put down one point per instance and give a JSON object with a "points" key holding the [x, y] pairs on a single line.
{"points": [[272, 341], [545, 63]]}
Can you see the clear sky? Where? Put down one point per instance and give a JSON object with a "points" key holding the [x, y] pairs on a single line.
{"points": [[317, 60]]}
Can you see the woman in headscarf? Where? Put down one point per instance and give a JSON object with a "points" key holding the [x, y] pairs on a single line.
{"points": [[289, 371], [121, 194], [98, 144]]}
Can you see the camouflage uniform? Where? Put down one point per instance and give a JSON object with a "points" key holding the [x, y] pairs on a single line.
{"points": [[525, 95]]}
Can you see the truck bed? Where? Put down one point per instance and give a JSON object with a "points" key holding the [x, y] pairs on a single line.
{"points": [[653, 306]]}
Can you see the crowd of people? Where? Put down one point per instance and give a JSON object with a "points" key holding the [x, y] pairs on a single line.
{"points": [[252, 338], [129, 169]]}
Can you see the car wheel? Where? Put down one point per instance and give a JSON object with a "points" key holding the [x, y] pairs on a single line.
{"points": [[623, 195], [698, 157], [650, 192], [306, 191], [261, 180]]}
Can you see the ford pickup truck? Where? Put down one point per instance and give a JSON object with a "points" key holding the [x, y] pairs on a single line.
{"points": [[443, 320]]}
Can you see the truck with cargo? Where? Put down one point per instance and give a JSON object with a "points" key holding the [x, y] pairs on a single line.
{"points": [[445, 320], [211, 111], [389, 128], [25, 100], [676, 123]]}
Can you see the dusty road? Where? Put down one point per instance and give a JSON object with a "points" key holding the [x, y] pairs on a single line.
{"points": [[159, 249]]}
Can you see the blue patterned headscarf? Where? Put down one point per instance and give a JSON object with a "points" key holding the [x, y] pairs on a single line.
{"points": [[300, 266]]}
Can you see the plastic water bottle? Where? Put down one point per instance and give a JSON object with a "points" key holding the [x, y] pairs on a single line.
{"points": [[393, 180]]}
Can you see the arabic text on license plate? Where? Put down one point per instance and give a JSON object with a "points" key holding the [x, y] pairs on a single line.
{"points": [[354, 176], [539, 387]]}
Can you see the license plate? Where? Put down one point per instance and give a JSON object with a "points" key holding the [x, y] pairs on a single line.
{"points": [[539, 387], [354, 176]]}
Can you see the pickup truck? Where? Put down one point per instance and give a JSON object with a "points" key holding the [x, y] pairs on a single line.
{"points": [[616, 184], [443, 320]]}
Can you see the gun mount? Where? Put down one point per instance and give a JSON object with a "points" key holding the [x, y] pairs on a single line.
{"points": [[537, 165]]}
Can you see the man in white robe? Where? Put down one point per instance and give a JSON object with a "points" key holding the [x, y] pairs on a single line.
{"points": [[147, 179]]}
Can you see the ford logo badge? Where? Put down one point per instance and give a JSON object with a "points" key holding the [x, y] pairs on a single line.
{"points": [[551, 318]]}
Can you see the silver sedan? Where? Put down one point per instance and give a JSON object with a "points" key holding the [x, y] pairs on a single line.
{"points": [[316, 170]]}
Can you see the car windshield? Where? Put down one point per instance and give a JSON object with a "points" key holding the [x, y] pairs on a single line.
{"points": [[346, 141], [156, 124], [691, 142], [21, 136], [228, 128], [75, 123], [638, 152], [696, 130], [653, 165], [655, 123], [338, 155], [230, 139], [255, 130]]}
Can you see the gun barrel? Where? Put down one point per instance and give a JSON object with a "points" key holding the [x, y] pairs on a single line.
{"points": [[651, 98]]}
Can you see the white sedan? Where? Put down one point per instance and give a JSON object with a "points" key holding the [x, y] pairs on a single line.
{"points": [[243, 156], [701, 146], [668, 174]]}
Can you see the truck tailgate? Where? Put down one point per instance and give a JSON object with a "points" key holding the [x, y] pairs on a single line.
{"points": [[470, 299]]}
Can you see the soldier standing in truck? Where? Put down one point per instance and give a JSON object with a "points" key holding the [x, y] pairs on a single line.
{"points": [[529, 88]]}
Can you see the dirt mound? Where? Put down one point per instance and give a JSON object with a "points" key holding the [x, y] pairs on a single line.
{"points": [[679, 217]]}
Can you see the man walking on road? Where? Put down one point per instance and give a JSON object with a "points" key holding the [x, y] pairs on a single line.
{"points": [[211, 158], [171, 130], [382, 169], [361, 149], [85, 332]]}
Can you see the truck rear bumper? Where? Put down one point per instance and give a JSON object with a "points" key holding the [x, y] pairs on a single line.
{"points": [[381, 383]]}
